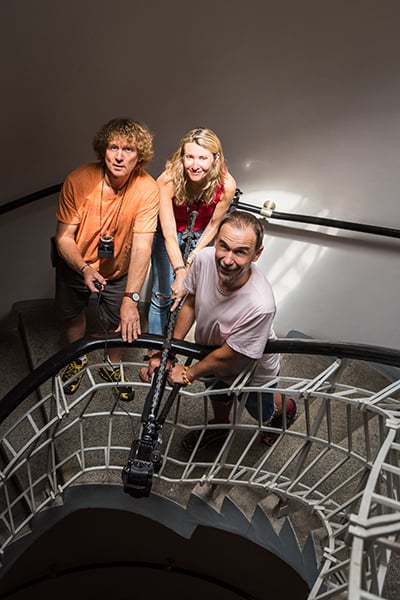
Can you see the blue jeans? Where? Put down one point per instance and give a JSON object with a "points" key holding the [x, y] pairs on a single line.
{"points": [[163, 277]]}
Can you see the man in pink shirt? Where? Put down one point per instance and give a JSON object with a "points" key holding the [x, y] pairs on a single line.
{"points": [[233, 306]]}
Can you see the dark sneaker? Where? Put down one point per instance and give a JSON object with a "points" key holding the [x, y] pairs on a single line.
{"points": [[269, 437], [74, 368], [113, 375]]}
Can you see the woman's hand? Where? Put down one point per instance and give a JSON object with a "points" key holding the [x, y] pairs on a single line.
{"points": [[146, 373], [177, 288]]}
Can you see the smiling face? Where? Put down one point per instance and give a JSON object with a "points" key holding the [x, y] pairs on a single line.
{"points": [[121, 157], [197, 161], [235, 250]]}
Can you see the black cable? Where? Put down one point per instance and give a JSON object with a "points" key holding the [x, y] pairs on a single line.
{"points": [[99, 299]]}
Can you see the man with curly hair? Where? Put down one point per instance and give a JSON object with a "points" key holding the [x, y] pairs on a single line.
{"points": [[106, 218]]}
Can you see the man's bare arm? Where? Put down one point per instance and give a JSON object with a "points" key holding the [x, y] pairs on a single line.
{"points": [[129, 326]]}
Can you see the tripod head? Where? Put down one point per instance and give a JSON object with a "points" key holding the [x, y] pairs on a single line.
{"points": [[137, 475]]}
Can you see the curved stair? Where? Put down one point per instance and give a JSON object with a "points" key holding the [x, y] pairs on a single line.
{"points": [[293, 500]]}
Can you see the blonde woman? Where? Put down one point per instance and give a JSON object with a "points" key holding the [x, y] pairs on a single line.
{"points": [[196, 178]]}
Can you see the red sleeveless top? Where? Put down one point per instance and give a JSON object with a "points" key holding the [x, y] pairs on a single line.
{"points": [[205, 212]]}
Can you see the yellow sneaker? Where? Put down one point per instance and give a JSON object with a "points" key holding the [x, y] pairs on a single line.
{"points": [[74, 368], [122, 392]]}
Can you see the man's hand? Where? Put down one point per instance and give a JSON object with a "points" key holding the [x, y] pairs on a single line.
{"points": [[93, 280], [129, 326], [175, 375], [146, 373]]}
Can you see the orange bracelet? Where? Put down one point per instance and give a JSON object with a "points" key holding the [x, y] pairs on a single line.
{"points": [[185, 378]]}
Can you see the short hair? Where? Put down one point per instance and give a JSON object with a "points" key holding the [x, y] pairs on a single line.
{"points": [[241, 220], [129, 130]]}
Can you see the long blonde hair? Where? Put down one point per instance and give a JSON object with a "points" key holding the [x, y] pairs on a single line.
{"points": [[207, 139]]}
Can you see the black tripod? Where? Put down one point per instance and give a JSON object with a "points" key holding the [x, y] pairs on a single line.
{"points": [[145, 458]]}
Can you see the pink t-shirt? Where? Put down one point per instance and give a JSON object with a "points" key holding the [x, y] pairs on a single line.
{"points": [[242, 318]]}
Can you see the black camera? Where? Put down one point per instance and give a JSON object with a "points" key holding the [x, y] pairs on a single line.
{"points": [[106, 247], [137, 475]]}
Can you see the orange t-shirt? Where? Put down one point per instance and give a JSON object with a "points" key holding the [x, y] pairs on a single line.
{"points": [[133, 210]]}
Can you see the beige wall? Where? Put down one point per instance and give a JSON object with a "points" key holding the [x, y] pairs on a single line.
{"points": [[304, 94]]}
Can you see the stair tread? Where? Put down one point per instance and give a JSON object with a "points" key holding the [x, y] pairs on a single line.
{"points": [[14, 365]]}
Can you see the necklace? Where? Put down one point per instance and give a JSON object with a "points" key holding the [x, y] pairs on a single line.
{"points": [[116, 189], [118, 209]]}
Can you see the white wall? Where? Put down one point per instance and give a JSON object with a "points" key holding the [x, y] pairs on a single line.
{"points": [[305, 96]]}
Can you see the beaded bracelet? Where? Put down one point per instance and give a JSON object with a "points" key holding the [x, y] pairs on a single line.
{"points": [[185, 378]]}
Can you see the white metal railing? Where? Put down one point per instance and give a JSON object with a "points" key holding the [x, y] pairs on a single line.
{"points": [[340, 458]]}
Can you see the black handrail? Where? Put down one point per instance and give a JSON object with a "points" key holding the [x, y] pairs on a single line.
{"points": [[19, 202], [264, 211], [52, 366], [269, 213]]}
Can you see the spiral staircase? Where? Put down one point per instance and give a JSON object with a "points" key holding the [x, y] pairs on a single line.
{"points": [[315, 516]]}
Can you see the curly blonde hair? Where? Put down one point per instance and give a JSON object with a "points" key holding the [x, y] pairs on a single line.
{"points": [[131, 131], [207, 139]]}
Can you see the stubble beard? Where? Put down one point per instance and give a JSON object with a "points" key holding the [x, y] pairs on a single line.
{"points": [[228, 277]]}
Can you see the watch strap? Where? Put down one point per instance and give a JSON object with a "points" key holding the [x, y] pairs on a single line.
{"points": [[135, 296]]}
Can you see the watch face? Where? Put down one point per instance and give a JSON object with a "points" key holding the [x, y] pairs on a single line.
{"points": [[135, 297]]}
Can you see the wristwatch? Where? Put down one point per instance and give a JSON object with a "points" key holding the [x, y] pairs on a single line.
{"points": [[135, 296]]}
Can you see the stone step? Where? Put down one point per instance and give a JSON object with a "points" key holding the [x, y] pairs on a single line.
{"points": [[14, 364], [290, 529]]}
